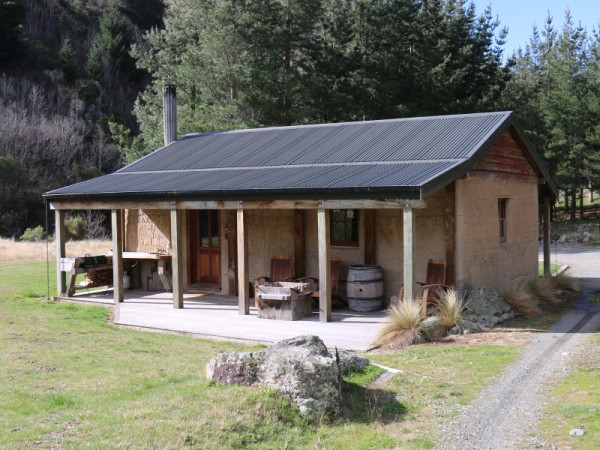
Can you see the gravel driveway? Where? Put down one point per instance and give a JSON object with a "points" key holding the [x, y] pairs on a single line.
{"points": [[506, 414]]}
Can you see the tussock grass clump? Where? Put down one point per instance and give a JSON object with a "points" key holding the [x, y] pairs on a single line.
{"points": [[403, 326], [521, 299], [565, 282], [544, 291], [449, 307]]}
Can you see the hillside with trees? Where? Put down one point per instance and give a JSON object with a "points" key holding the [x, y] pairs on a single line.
{"points": [[80, 80], [65, 74]]}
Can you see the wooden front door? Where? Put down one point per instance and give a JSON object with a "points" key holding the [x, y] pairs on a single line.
{"points": [[204, 248]]}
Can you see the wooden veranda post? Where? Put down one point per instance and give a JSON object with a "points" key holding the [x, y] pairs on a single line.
{"points": [[242, 248], [299, 243], [546, 238], [61, 277], [324, 265], [117, 259], [177, 263], [231, 236], [409, 253]]}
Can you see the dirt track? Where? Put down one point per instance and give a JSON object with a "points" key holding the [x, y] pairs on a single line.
{"points": [[506, 414]]}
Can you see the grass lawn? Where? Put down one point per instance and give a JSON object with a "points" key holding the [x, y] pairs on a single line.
{"points": [[576, 403], [553, 268], [69, 379]]}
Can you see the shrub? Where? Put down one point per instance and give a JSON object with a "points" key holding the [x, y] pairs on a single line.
{"points": [[449, 305], [565, 282], [33, 234], [75, 228], [521, 299], [544, 291], [403, 326]]}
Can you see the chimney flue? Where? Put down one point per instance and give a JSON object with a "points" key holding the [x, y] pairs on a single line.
{"points": [[170, 113]]}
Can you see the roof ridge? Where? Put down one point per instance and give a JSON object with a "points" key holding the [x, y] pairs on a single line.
{"points": [[300, 166], [349, 123]]}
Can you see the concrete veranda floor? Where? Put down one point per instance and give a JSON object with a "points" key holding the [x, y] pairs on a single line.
{"points": [[217, 316]]}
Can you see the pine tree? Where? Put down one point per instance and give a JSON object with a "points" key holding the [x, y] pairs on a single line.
{"points": [[12, 14]]}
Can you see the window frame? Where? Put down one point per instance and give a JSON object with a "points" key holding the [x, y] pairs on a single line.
{"points": [[348, 224], [503, 220]]}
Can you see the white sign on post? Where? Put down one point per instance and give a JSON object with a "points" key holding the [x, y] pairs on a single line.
{"points": [[66, 264]]}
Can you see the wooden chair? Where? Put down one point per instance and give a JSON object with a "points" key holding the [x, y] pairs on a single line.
{"points": [[435, 280], [281, 270], [335, 273]]}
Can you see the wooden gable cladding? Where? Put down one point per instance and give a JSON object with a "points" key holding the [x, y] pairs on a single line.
{"points": [[506, 159]]}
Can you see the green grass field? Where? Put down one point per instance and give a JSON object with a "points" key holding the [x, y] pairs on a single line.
{"points": [[579, 404], [70, 379], [553, 268]]}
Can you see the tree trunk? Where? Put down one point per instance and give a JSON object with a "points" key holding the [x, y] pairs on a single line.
{"points": [[573, 205], [566, 195], [581, 204]]}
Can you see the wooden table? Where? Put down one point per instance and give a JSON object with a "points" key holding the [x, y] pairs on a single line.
{"points": [[284, 301], [77, 265]]}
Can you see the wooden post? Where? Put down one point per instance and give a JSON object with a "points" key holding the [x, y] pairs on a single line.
{"points": [[177, 263], [299, 244], [242, 266], [369, 226], [409, 253], [546, 238], [231, 234], [324, 265], [450, 233], [61, 277], [117, 259]]}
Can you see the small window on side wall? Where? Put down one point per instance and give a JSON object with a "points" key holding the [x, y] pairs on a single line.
{"points": [[344, 227], [502, 204]]}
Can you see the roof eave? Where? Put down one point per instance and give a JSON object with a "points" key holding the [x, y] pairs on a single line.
{"points": [[358, 193]]}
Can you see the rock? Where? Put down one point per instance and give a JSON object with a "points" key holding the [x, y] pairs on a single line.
{"points": [[465, 327], [486, 308], [235, 368], [432, 329], [301, 369], [563, 239], [586, 237], [577, 432], [584, 227], [349, 361]]}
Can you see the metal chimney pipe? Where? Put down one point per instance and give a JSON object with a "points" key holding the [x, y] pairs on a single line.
{"points": [[170, 113]]}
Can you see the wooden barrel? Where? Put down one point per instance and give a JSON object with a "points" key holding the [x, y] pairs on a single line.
{"points": [[365, 288]]}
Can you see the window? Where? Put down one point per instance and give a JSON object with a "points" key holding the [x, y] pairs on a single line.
{"points": [[502, 202], [344, 227]]}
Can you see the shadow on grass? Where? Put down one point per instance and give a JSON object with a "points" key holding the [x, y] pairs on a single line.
{"points": [[369, 405]]}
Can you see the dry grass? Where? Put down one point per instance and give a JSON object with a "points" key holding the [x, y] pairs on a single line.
{"points": [[544, 291], [403, 326], [449, 307], [36, 251], [565, 282], [521, 299]]}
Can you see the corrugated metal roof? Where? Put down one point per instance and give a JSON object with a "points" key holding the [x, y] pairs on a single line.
{"points": [[396, 156]]}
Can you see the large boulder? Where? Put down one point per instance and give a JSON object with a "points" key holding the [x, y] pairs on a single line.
{"points": [[301, 368], [486, 308]]}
